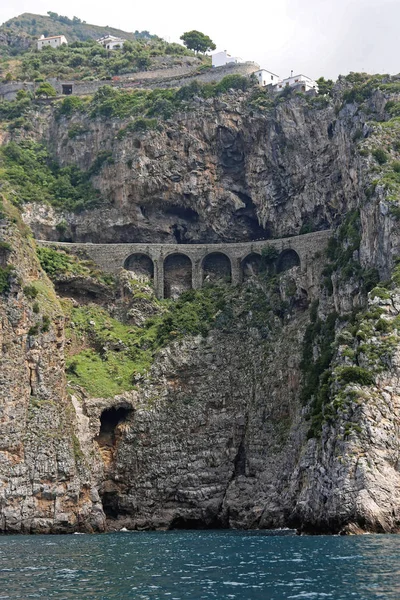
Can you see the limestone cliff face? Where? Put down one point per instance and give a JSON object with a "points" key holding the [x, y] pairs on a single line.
{"points": [[46, 485], [222, 171], [220, 432]]}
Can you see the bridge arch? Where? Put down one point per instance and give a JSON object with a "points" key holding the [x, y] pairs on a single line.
{"points": [[250, 266], [287, 260], [178, 274], [216, 266], [141, 264]]}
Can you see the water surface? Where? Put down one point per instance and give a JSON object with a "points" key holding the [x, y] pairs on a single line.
{"points": [[200, 566]]}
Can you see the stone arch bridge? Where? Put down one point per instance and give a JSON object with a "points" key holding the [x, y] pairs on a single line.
{"points": [[178, 267]]}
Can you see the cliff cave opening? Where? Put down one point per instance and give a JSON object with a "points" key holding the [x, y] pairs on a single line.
{"points": [[109, 421], [247, 219], [177, 275], [182, 212], [217, 266]]}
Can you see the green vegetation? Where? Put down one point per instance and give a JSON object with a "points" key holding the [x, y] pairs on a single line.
{"points": [[158, 103], [342, 252], [76, 130], [319, 337], [71, 105], [355, 375], [363, 86], [260, 99], [41, 326], [197, 41], [88, 60], [114, 353], [5, 246], [140, 124], [30, 291], [5, 278], [57, 263], [17, 108], [269, 256], [35, 177], [45, 89], [30, 26], [325, 86], [380, 156]]}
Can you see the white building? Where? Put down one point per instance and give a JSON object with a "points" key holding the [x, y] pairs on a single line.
{"points": [[265, 77], [302, 83], [54, 41], [220, 59], [110, 42]]}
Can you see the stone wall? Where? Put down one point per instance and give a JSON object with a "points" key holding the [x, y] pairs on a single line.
{"points": [[163, 78], [112, 257], [8, 91]]}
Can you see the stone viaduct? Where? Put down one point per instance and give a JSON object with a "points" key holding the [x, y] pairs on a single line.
{"points": [[175, 268]]}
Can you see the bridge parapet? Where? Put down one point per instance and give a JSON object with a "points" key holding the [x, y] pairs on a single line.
{"points": [[112, 257]]}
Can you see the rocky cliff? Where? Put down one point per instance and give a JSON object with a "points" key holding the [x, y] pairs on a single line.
{"points": [[271, 404], [46, 485]]}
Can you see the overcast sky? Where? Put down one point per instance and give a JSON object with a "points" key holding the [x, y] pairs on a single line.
{"points": [[314, 37]]}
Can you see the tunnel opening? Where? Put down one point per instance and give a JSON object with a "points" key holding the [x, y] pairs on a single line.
{"points": [[287, 260], [217, 267], [177, 275], [109, 421], [141, 265], [251, 265]]}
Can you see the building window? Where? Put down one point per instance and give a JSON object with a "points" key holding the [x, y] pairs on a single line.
{"points": [[67, 90]]}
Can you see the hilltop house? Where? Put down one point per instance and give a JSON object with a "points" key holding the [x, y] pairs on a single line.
{"points": [[301, 83], [265, 77], [54, 41], [110, 42], [220, 59]]}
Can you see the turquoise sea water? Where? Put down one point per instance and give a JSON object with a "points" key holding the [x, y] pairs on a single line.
{"points": [[199, 565]]}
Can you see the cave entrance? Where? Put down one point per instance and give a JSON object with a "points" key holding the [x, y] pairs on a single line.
{"points": [[109, 421], [217, 266], [67, 89], [287, 260], [177, 275], [141, 265], [251, 266]]}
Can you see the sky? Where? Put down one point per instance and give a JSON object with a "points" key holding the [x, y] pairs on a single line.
{"points": [[313, 37]]}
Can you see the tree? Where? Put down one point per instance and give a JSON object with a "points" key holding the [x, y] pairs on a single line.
{"points": [[197, 41], [325, 86], [45, 89]]}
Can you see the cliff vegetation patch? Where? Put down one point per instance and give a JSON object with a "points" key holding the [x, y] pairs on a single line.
{"points": [[33, 176], [107, 356]]}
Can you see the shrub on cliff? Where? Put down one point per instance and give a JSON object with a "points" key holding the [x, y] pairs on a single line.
{"points": [[356, 375], [5, 278], [35, 177], [45, 89]]}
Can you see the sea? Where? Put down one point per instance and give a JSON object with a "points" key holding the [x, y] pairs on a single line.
{"points": [[200, 565]]}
